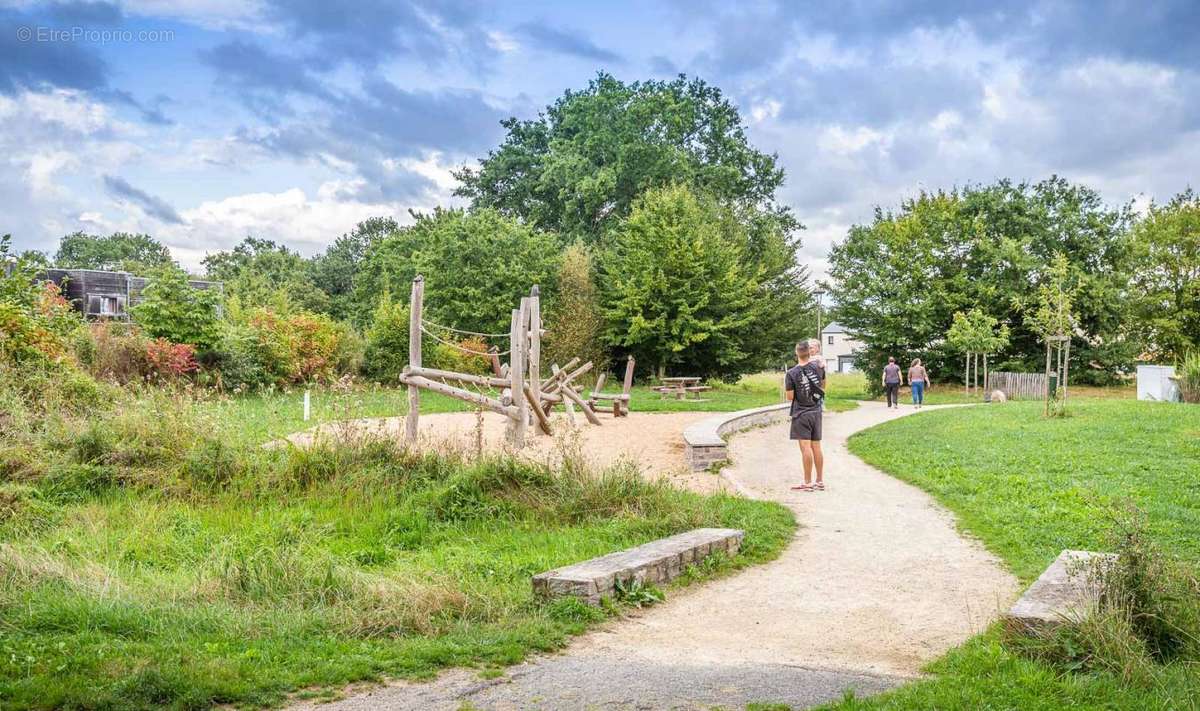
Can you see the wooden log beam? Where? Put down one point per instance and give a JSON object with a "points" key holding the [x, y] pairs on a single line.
{"points": [[488, 403], [536, 408], [588, 412], [437, 374], [535, 347]]}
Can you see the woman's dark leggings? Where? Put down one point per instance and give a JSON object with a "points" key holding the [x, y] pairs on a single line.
{"points": [[893, 393]]}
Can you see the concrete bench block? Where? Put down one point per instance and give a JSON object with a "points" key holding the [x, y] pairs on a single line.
{"points": [[656, 562], [1064, 591]]}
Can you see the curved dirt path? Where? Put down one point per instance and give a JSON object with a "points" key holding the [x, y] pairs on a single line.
{"points": [[877, 583]]}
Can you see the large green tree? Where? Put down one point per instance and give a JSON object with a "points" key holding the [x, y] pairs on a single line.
{"points": [[136, 253], [259, 271], [899, 280], [579, 167], [476, 266], [1166, 277], [679, 291], [334, 271]]}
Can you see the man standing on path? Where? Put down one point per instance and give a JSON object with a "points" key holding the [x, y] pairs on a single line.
{"points": [[805, 384], [891, 382]]}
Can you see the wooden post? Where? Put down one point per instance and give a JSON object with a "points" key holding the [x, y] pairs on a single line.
{"points": [[535, 345], [967, 377], [414, 358], [516, 373], [494, 357]]}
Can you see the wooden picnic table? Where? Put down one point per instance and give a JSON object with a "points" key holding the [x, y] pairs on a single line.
{"points": [[680, 386]]}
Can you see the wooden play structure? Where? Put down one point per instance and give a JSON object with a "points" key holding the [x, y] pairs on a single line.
{"points": [[524, 397]]}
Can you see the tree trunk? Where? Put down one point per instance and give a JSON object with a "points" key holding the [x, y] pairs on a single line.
{"points": [[1046, 409], [967, 377], [1066, 369]]}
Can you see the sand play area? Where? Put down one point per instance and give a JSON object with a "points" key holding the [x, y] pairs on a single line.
{"points": [[651, 440]]}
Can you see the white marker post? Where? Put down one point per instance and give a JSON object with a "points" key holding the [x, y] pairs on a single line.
{"points": [[307, 405]]}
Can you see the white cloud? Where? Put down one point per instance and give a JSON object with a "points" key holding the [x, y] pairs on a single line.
{"points": [[765, 110], [502, 42], [840, 141], [290, 217]]}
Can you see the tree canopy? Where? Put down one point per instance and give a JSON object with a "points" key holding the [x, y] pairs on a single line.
{"points": [[679, 291], [1166, 278], [899, 280], [260, 271], [334, 271], [580, 166], [120, 251], [476, 266]]}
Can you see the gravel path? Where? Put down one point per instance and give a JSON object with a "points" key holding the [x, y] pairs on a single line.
{"points": [[877, 583]]}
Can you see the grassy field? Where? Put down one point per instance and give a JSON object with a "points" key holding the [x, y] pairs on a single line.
{"points": [[1029, 487], [152, 556]]}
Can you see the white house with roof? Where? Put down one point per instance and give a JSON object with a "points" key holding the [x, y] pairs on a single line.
{"points": [[839, 349]]}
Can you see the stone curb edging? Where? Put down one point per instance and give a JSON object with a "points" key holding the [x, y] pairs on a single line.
{"points": [[703, 440]]}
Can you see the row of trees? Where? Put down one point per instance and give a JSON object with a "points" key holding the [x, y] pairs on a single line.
{"points": [[1134, 280], [641, 209]]}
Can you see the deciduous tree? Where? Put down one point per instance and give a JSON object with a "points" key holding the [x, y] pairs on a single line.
{"points": [[579, 167], [135, 253], [1166, 278], [678, 291]]}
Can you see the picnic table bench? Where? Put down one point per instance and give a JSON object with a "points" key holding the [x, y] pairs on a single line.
{"points": [[680, 387]]}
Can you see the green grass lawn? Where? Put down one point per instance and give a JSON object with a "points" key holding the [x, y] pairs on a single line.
{"points": [[1029, 487]]}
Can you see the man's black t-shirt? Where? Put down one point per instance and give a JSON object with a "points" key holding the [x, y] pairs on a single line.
{"points": [[800, 380]]}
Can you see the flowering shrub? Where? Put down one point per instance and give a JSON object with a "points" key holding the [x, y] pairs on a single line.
{"points": [[296, 348], [169, 361], [35, 320]]}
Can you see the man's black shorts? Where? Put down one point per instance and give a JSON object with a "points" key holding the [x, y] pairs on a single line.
{"points": [[807, 425]]}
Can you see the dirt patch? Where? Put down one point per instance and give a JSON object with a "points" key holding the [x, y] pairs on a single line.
{"points": [[653, 441]]}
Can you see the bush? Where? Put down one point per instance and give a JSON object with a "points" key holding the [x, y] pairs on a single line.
{"points": [[36, 322], [114, 351], [387, 341], [1188, 371], [454, 355], [172, 309], [170, 361]]}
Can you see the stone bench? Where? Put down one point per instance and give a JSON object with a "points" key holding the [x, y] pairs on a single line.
{"points": [[703, 441], [1062, 592], [655, 562]]}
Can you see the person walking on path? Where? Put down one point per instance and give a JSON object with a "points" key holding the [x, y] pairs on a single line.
{"points": [[891, 382], [805, 384], [918, 380]]}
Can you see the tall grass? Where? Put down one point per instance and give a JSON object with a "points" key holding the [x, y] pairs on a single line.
{"points": [[1188, 371], [151, 558]]}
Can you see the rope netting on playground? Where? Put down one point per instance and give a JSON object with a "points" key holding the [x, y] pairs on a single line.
{"points": [[425, 329]]}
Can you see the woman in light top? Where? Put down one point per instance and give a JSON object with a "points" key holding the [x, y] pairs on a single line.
{"points": [[918, 380]]}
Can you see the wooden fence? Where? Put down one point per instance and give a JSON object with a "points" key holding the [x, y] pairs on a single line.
{"points": [[1017, 386]]}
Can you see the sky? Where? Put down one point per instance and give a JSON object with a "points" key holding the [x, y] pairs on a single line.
{"points": [[201, 122]]}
